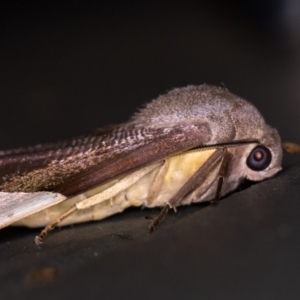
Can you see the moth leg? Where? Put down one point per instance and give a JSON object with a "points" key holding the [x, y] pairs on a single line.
{"points": [[223, 171], [107, 194], [157, 182], [118, 187], [197, 179], [155, 223], [39, 239]]}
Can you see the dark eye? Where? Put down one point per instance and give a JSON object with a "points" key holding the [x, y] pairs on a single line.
{"points": [[259, 158]]}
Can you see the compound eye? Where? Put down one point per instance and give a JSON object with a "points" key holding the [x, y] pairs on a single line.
{"points": [[259, 158]]}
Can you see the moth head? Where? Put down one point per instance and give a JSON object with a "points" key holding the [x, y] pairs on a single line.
{"points": [[260, 160]]}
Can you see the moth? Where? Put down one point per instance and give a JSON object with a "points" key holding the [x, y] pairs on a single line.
{"points": [[192, 144]]}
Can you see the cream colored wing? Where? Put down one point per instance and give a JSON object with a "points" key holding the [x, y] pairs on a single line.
{"points": [[16, 206]]}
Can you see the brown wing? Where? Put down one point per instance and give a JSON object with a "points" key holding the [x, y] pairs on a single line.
{"points": [[74, 166]]}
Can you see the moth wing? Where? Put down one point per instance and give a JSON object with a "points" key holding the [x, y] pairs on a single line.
{"points": [[81, 164], [16, 206]]}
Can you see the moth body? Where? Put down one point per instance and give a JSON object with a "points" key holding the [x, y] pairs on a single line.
{"points": [[190, 145]]}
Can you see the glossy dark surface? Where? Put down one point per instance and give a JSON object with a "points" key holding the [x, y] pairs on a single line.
{"points": [[67, 70], [246, 247]]}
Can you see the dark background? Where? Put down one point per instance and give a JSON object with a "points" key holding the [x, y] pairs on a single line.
{"points": [[67, 68]]}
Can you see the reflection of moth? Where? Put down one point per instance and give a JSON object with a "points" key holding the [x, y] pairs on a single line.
{"points": [[192, 144]]}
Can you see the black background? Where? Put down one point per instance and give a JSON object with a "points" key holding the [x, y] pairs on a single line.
{"points": [[69, 67]]}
